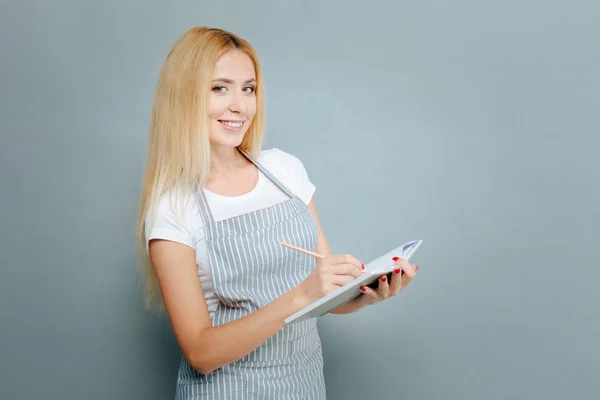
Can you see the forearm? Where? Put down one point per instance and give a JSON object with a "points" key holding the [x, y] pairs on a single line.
{"points": [[223, 344]]}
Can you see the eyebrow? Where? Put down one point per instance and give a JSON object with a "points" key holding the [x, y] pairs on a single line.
{"points": [[227, 80]]}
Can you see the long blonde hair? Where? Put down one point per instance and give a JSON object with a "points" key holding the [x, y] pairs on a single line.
{"points": [[178, 153]]}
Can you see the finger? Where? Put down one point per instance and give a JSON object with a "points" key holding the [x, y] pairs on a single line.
{"points": [[340, 280], [384, 288], [371, 295], [408, 275], [396, 261], [396, 281], [344, 259], [407, 268], [345, 269]]}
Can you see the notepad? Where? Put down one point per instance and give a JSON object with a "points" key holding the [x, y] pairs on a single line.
{"points": [[383, 265]]}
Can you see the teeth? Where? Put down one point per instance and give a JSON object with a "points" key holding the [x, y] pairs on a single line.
{"points": [[232, 124]]}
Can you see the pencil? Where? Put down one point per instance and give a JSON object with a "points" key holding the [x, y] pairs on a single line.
{"points": [[310, 253]]}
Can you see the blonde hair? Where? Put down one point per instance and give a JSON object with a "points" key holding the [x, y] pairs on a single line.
{"points": [[178, 153]]}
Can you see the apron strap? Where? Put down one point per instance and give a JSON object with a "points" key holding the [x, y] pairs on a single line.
{"points": [[203, 208], [268, 174]]}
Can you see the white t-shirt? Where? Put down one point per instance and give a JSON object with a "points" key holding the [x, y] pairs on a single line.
{"points": [[169, 225]]}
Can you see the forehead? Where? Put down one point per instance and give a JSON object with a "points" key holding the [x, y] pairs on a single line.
{"points": [[235, 65]]}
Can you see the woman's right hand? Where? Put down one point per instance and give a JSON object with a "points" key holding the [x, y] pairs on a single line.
{"points": [[330, 273]]}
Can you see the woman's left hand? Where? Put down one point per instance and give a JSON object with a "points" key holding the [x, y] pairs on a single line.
{"points": [[402, 275]]}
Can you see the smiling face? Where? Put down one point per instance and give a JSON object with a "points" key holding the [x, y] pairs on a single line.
{"points": [[232, 101]]}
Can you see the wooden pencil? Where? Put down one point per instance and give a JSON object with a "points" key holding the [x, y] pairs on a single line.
{"points": [[310, 253]]}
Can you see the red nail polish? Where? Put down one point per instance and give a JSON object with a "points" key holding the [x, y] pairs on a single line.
{"points": [[362, 289], [395, 258], [416, 268], [363, 266], [397, 270], [383, 278]]}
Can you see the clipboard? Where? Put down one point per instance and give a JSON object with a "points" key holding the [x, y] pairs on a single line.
{"points": [[383, 265]]}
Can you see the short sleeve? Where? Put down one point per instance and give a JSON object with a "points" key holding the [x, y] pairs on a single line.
{"points": [[299, 179], [174, 221]]}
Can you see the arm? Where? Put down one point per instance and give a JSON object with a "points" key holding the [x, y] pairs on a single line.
{"points": [[206, 347], [324, 249]]}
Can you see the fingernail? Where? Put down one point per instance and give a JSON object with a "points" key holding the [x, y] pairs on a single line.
{"points": [[397, 270], [416, 268], [362, 289], [395, 258], [383, 278], [363, 266]]}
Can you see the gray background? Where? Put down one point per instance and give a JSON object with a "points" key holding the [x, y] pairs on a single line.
{"points": [[472, 125]]}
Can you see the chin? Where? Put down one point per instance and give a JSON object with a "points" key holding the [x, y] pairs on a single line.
{"points": [[226, 138], [227, 143]]}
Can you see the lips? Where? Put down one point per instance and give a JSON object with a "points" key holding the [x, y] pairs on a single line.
{"points": [[232, 124]]}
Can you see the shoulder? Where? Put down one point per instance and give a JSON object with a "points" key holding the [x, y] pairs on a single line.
{"points": [[280, 161], [290, 170], [175, 217], [176, 203]]}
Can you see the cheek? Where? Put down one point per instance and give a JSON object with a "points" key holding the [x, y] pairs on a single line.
{"points": [[216, 107], [251, 107]]}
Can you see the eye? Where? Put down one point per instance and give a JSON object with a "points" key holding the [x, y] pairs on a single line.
{"points": [[249, 89], [219, 89]]}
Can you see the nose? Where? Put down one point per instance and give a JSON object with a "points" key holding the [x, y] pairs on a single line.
{"points": [[237, 103]]}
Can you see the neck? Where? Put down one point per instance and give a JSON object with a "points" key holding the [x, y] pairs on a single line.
{"points": [[224, 161]]}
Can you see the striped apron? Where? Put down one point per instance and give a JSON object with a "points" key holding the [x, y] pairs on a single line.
{"points": [[250, 269]]}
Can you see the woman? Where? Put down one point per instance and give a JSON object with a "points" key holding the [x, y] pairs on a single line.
{"points": [[214, 211]]}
